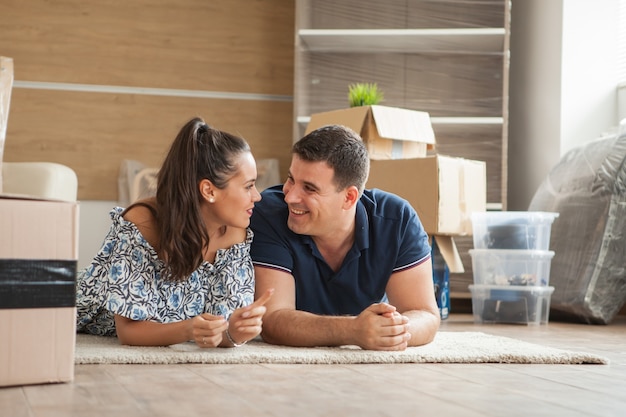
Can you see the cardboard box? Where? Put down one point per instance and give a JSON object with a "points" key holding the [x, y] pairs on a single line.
{"points": [[445, 259], [38, 257], [389, 132], [443, 190], [6, 85]]}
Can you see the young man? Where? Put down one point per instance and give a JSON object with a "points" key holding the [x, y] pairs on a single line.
{"points": [[348, 266]]}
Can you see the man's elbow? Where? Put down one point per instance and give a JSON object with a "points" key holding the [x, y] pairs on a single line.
{"points": [[427, 327], [434, 328], [276, 327]]}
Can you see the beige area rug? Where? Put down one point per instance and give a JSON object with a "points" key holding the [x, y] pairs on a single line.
{"points": [[448, 347]]}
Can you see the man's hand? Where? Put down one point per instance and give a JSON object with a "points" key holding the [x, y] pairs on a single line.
{"points": [[381, 327]]}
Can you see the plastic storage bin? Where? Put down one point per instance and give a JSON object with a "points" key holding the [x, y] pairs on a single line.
{"points": [[528, 230], [511, 267], [516, 305]]}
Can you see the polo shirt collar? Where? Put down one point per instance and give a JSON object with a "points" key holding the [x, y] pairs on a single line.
{"points": [[361, 228]]}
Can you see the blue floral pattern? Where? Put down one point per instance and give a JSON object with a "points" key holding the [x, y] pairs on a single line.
{"points": [[127, 278]]}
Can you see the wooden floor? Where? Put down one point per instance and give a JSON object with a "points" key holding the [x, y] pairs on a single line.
{"points": [[352, 390]]}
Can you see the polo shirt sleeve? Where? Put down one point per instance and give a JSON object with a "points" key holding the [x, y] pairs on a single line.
{"points": [[271, 246], [414, 247]]}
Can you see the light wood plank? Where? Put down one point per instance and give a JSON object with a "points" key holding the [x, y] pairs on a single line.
{"points": [[222, 45], [93, 132]]}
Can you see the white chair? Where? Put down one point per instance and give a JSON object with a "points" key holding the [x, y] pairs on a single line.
{"points": [[47, 180], [144, 184]]}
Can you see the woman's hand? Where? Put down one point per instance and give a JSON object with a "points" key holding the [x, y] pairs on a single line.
{"points": [[207, 330], [245, 323]]}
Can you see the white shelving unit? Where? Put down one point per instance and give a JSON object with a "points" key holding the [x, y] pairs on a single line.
{"points": [[449, 58]]}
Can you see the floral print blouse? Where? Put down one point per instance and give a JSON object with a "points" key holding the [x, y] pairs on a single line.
{"points": [[127, 278]]}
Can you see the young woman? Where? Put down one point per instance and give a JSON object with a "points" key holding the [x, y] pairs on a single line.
{"points": [[176, 267]]}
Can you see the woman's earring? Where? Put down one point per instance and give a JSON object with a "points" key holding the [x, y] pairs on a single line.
{"points": [[211, 199]]}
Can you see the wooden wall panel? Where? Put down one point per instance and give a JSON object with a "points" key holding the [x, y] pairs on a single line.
{"points": [[223, 46], [93, 132]]}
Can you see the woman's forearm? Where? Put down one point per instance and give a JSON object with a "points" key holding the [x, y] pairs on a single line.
{"points": [[149, 333]]}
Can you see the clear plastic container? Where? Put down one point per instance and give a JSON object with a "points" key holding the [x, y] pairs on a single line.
{"points": [[509, 267], [528, 230], [516, 305]]}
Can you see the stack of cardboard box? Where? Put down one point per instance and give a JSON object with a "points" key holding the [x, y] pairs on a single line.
{"points": [[38, 257], [443, 190]]}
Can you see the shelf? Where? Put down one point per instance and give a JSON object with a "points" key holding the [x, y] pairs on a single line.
{"points": [[449, 121], [466, 120], [462, 41]]}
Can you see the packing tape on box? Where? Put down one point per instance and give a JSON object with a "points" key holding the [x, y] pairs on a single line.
{"points": [[32, 283]]}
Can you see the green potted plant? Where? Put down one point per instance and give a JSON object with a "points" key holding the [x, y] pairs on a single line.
{"points": [[364, 94]]}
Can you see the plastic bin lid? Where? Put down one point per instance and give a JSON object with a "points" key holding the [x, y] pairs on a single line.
{"points": [[525, 216], [516, 253], [521, 288]]}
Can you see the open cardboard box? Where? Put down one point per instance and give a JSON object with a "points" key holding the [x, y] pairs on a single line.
{"points": [[38, 259], [443, 190], [389, 132]]}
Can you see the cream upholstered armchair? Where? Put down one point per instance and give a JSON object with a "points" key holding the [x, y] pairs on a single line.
{"points": [[47, 180]]}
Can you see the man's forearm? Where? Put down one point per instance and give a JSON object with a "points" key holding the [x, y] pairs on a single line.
{"points": [[300, 328]]}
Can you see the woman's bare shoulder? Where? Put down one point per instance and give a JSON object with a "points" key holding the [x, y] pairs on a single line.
{"points": [[142, 215], [140, 211]]}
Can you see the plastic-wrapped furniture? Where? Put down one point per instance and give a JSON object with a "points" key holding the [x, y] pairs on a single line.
{"points": [[588, 190], [47, 180]]}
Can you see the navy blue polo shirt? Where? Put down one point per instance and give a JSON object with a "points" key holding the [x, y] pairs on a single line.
{"points": [[389, 238]]}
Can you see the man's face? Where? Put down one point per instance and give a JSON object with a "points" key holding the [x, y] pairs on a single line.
{"points": [[315, 205]]}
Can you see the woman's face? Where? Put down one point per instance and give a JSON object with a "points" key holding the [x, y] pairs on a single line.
{"points": [[234, 204]]}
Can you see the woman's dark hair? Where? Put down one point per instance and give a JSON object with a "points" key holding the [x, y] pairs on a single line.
{"points": [[198, 152], [342, 149]]}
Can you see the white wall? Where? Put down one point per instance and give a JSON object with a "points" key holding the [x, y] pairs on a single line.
{"points": [[590, 75], [93, 225], [563, 80]]}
